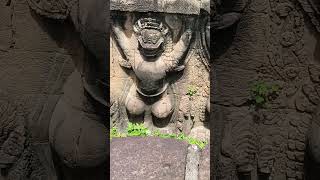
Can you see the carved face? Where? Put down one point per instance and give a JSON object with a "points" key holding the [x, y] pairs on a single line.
{"points": [[152, 31], [151, 34]]}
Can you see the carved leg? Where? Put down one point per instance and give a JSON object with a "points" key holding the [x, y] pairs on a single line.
{"points": [[77, 134], [134, 104], [163, 108]]}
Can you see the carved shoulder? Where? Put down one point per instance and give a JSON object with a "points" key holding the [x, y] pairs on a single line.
{"points": [[56, 9]]}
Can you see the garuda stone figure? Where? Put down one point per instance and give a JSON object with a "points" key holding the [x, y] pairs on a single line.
{"points": [[159, 65]]}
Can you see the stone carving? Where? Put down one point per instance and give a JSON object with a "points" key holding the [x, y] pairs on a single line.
{"points": [[278, 47], [81, 111], [159, 56], [56, 124], [157, 50]]}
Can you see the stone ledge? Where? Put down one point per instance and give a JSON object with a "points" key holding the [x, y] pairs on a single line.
{"points": [[147, 158], [204, 164], [136, 158]]}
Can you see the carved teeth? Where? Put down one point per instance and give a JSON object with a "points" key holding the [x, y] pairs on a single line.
{"points": [[149, 23]]}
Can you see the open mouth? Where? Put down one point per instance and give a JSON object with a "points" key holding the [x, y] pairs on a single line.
{"points": [[151, 33]]}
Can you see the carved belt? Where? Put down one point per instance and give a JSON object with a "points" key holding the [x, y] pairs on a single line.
{"points": [[157, 93]]}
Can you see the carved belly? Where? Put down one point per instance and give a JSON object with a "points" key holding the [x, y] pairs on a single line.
{"points": [[151, 79]]}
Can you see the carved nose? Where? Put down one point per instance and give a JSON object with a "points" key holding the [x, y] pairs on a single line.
{"points": [[151, 36]]}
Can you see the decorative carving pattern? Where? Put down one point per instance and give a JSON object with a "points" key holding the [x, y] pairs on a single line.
{"points": [[277, 140], [18, 159], [12, 137]]}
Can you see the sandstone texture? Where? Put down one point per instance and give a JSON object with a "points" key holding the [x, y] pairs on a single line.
{"points": [[276, 42], [156, 158], [204, 165], [147, 158], [40, 50]]}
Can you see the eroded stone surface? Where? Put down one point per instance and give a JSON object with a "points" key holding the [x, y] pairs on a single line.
{"points": [[192, 166], [276, 43], [136, 158], [37, 56], [204, 164]]}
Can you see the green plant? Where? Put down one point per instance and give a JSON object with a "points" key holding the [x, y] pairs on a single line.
{"points": [[201, 144], [192, 90], [114, 133], [162, 135], [262, 93], [135, 129]]}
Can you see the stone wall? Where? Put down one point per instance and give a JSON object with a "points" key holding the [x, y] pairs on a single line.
{"points": [[277, 43], [36, 57], [42, 60]]}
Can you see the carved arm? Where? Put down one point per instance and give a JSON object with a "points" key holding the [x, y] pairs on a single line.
{"points": [[179, 50], [122, 41]]}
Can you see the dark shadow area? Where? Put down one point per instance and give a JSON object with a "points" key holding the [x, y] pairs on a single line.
{"points": [[221, 41], [317, 49], [244, 176], [312, 169], [263, 176]]}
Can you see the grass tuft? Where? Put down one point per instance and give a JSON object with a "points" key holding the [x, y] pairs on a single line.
{"points": [[136, 129]]}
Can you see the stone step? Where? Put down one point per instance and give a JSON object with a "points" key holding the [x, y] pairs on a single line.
{"points": [[147, 158]]}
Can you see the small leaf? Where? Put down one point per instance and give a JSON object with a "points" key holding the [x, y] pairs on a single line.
{"points": [[259, 100]]}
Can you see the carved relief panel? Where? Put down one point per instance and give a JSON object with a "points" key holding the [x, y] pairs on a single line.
{"points": [[159, 70], [275, 43]]}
